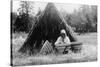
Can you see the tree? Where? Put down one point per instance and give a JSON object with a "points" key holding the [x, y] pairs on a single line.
{"points": [[85, 19], [26, 7], [24, 20]]}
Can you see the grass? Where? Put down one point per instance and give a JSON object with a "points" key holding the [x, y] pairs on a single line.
{"points": [[88, 53]]}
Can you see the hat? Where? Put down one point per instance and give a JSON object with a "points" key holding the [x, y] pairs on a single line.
{"points": [[63, 31]]}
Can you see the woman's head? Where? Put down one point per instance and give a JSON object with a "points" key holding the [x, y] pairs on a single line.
{"points": [[63, 33]]}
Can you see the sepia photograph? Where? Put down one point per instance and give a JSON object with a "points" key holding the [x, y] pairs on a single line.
{"points": [[52, 33]]}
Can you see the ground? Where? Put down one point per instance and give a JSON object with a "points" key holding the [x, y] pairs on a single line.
{"points": [[88, 52]]}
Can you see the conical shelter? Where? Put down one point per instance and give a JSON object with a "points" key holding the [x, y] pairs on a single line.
{"points": [[47, 27]]}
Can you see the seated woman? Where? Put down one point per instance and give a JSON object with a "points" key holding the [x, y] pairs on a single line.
{"points": [[63, 39]]}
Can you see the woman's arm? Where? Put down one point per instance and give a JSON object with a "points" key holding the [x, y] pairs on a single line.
{"points": [[58, 42]]}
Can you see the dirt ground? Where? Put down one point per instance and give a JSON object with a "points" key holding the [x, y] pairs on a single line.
{"points": [[87, 54]]}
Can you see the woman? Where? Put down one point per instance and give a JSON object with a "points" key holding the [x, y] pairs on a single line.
{"points": [[63, 39]]}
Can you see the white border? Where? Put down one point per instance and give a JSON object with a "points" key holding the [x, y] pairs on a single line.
{"points": [[5, 33]]}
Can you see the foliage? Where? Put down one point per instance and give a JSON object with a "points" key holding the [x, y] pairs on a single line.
{"points": [[24, 20], [83, 20]]}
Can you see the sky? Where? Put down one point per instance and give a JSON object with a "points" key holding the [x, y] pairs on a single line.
{"points": [[69, 8]]}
